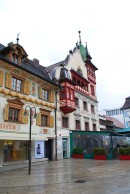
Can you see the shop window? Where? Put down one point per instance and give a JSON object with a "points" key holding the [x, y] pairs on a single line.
{"points": [[86, 126], [44, 118], [15, 150], [16, 84], [77, 102], [85, 105], [77, 125], [65, 122]]}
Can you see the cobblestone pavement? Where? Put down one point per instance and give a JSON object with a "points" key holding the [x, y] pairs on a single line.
{"points": [[61, 177]]}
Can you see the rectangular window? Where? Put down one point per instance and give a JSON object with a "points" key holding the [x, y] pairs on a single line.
{"points": [[94, 127], [71, 94], [13, 114], [92, 109], [77, 125], [16, 84], [45, 95], [44, 120], [86, 126], [92, 90], [84, 105], [76, 101], [65, 122], [68, 92]]}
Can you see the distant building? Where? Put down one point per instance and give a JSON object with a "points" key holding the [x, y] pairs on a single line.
{"points": [[102, 122], [126, 112], [113, 123], [107, 123], [116, 113]]}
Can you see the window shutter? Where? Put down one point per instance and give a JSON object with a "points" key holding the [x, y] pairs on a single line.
{"points": [[38, 119], [51, 121], [6, 112], [52, 96], [1, 78], [26, 88], [40, 92], [25, 117], [8, 81]]}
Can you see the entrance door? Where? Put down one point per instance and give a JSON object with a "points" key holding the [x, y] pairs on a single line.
{"points": [[48, 149], [64, 145]]}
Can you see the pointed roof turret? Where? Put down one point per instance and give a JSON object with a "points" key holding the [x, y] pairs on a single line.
{"points": [[83, 50]]}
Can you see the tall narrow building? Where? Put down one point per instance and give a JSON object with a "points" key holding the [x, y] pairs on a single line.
{"points": [[77, 105]]}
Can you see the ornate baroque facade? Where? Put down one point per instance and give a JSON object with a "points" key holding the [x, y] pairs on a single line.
{"points": [[26, 94]]}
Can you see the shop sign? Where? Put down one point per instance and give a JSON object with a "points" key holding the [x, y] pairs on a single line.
{"points": [[9, 126]]}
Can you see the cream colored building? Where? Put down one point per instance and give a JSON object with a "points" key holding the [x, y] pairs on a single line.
{"points": [[26, 88]]}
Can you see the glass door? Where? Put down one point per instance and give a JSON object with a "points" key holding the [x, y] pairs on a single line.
{"points": [[64, 145]]}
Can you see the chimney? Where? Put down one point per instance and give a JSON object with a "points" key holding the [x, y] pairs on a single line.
{"points": [[36, 61]]}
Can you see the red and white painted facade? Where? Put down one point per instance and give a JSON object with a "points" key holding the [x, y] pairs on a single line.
{"points": [[80, 87]]}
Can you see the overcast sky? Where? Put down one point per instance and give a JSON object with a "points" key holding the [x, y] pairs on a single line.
{"points": [[49, 29]]}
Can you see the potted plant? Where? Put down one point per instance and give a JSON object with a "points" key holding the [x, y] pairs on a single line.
{"points": [[100, 153], [78, 153], [124, 153]]}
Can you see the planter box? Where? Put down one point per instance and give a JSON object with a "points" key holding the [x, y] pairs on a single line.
{"points": [[79, 156], [100, 157], [124, 157]]}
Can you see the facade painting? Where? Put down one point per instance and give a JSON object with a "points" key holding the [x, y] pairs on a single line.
{"points": [[21, 88]]}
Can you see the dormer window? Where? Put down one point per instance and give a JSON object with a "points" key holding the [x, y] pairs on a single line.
{"points": [[80, 71], [15, 58]]}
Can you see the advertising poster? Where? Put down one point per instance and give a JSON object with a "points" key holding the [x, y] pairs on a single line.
{"points": [[39, 149]]}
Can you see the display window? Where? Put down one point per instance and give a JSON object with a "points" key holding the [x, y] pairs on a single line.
{"points": [[15, 150]]}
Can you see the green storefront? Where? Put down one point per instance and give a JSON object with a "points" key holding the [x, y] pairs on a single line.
{"points": [[88, 140]]}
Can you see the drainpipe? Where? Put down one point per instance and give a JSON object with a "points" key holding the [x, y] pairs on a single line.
{"points": [[56, 123]]}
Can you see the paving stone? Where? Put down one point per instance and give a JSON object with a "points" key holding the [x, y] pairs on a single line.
{"points": [[59, 177]]}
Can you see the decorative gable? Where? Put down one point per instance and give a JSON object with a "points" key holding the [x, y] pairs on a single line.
{"points": [[15, 102]]}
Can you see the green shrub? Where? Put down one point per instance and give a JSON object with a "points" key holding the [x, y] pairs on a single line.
{"points": [[78, 151], [124, 151], [99, 151]]}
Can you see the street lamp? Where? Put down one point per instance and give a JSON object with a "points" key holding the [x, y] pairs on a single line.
{"points": [[29, 145]]}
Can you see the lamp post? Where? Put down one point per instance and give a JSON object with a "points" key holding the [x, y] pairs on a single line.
{"points": [[30, 132]]}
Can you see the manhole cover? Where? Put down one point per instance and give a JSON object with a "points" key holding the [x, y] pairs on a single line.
{"points": [[80, 181]]}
